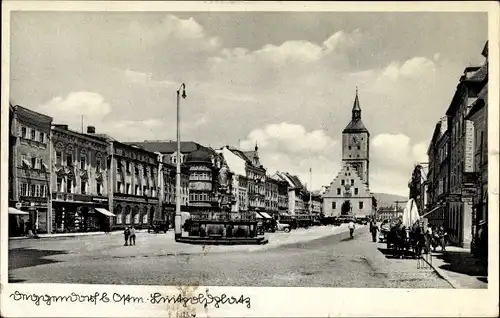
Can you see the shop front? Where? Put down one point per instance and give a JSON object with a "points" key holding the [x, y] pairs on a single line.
{"points": [[36, 219], [80, 213], [132, 211]]}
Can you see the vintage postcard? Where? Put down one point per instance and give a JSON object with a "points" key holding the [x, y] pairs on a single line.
{"points": [[249, 159]]}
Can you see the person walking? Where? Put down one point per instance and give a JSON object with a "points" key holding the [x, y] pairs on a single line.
{"points": [[132, 236], [374, 230], [126, 233], [351, 227]]}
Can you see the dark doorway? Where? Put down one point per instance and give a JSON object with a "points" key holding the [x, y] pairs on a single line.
{"points": [[346, 208]]}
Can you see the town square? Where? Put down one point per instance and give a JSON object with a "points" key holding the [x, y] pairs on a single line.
{"points": [[232, 149]]}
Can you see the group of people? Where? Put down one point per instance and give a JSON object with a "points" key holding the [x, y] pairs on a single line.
{"points": [[129, 234], [436, 237]]}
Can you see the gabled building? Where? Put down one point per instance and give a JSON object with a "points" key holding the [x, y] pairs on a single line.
{"points": [[349, 193], [296, 192]]}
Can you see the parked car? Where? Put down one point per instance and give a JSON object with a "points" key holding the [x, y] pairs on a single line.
{"points": [[362, 220], [343, 219], [283, 227], [160, 226]]}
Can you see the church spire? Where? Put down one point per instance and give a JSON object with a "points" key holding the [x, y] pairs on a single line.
{"points": [[356, 109]]}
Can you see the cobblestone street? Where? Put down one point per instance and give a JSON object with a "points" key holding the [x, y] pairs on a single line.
{"points": [[311, 258]]}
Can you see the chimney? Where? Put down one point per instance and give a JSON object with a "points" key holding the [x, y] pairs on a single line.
{"points": [[90, 130]]}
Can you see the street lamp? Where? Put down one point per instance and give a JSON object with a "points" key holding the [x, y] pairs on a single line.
{"points": [[178, 217]]}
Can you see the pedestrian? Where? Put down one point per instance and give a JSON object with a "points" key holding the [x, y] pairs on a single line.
{"points": [[374, 230], [132, 236], [351, 227], [126, 233]]}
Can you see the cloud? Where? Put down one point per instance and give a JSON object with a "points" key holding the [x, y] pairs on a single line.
{"points": [[291, 148]]}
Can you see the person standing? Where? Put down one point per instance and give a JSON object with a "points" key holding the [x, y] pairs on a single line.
{"points": [[126, 233], [373, 230], [132, 236]]}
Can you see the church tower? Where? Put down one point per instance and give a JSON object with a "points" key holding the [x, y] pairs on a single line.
{"points": [[356, 144]]}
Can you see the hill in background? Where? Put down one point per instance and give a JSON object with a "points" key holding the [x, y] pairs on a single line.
{"points": [[386, 200]]}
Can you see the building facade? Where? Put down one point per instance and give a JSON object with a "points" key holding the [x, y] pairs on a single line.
{"points": [[256, 180], [437, 176], [317, 204], [29, 169], [79, 181], [349, 193], [133, 190], [167, 185], [461, 163], [478, 114], [271, 199]]}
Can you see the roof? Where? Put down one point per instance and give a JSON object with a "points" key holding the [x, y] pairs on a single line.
{"points": [[167, 147], [355, 126], [200, 155], [477, 106], [481, 74], [31, 113]]}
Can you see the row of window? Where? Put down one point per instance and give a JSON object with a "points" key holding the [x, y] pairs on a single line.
{"points": [[359, 147], [33, 134], [200, 197], [83, 163], [33, 162], [339, 191], [145, 169], [128, 218], [127, 189], [33, 190], [343, 182], [360, 205], [68, 186], [206, 176]]}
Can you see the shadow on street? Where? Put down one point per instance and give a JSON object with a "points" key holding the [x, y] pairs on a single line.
{"points": [[27, 257], [464, 263]]}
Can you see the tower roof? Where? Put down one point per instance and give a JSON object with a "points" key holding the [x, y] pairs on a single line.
{"points": [[356, 124]]}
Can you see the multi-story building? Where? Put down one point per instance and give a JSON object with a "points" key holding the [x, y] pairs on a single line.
{"points": [[272, 197], [29, 169], [282, 195], [461, 151], [349, 192], [167, 184], [389, 213], [437, 176], [236, 162], [478, 114], [79, 181], [296, 192], [317, 203], [133, 184], [256, 179]]}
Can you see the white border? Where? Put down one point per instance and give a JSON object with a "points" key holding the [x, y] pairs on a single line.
{"points": [[268, 301]]}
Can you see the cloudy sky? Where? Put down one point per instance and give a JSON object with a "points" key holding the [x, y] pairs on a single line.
{"points": [[284, 80]]}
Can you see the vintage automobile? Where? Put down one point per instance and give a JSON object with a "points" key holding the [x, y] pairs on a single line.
{"points": [[343, 219], [160, 226], [283, 227]]}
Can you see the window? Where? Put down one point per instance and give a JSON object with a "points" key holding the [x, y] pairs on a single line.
{"points": [[338, 191], [128, 189], [349, 147], [334, 205], [145, 218], [59, 184], [153, 192], [24, 189], [359, 147], [84, 187], [136, 218], [145, 171], [119, 187], [44, 190], [119, 218], [37, 190], [136, 170], [99, 189], [127, 218], [33, 134], [24, 132], [352, 181], [360, 205], [69, 158], [137, 190], [355, 191], [98, 165], [32, 190], [83, 161], [41, 137], [127, 167], [118, 166], [342, 182], [144, 190], [58, 157], [69, 186], [34, 163]]}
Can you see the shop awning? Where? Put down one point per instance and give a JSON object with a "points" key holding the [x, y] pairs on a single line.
{"points": [[104, 211], [258, 216], [17, 212], [26, 162], [265, 215]]}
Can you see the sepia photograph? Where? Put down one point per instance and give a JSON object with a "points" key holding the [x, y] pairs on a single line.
{"points": [[249, 148]]}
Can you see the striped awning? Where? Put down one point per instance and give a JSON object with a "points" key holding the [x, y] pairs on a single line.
{"points": [[104, 211], [15, 211]]}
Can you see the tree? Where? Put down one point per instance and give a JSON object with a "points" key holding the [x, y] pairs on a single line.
{"points": [[346, 208]]}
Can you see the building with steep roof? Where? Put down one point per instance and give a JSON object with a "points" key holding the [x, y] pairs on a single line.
{"points": [[296, 193], [349, 193]]}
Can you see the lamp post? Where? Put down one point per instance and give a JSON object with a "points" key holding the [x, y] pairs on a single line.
{"points": [[178, 217]]}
